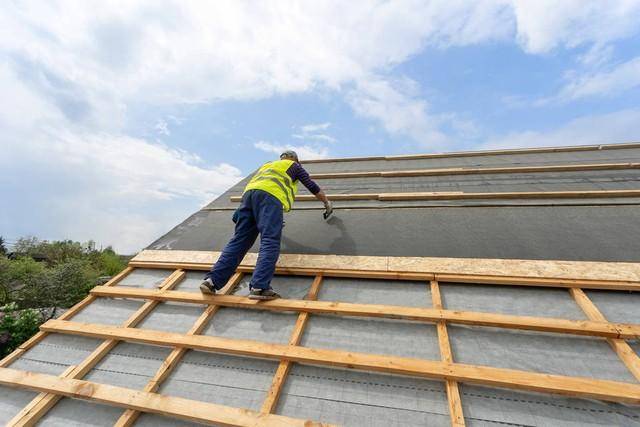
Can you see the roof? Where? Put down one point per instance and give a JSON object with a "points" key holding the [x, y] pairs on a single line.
{"points": [[495, 288]]}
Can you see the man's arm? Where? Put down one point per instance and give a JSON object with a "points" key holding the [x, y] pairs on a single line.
{"points": [[297, 172]]}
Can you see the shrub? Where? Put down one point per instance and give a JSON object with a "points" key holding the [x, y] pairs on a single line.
{"points": [[16, 326]]}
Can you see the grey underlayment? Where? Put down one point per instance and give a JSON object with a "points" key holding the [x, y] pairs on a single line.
{"points": [[580, 233], [514, 300], [145, 278], [362, 398], [621, 307], [222, 379]]}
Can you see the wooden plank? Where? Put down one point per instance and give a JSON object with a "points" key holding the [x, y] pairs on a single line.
{"points": [[543, 324], [184, 409], [39, 336], [586, 194], [284, 366], [129, 417], [571, 273], [458, 195], [565, 149], [42, 404], [613, 391], [476, 171], [453, 392], [621, 347]]}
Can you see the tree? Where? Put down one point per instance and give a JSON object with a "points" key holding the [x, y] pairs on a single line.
{"points": [[3, 248]]}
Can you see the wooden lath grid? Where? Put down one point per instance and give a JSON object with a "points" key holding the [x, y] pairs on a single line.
{"points": [[148, 400]]}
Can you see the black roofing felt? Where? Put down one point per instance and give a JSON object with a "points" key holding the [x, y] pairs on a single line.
{"points": [[569, 229]]}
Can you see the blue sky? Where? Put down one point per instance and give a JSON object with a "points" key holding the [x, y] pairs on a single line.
{"points": [[119, 119]]}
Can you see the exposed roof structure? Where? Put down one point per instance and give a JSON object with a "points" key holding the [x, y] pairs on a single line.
{"points": [[482, 289]]}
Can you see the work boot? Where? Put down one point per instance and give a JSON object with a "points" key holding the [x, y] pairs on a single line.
{"points": [[207, 287], [263, 294]]}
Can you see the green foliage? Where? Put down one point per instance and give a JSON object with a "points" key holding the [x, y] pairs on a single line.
{"points": [[109, 263], [3, 247], [64, 274], [16, 326]]}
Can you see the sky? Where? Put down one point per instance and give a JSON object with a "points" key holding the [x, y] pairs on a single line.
{"points": [[119, 119]]}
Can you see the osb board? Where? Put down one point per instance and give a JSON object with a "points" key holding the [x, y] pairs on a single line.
{"points": [[579, 270]]}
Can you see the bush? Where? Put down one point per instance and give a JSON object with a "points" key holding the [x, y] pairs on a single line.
{"points": [[16, 326]]}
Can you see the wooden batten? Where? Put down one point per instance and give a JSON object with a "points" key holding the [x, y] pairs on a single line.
{"points": [[458, 195], [431, 315], [606, 390], [176, 407], [476, 171], [566, 149]]}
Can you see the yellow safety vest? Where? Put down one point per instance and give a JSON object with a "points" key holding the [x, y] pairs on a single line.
{"points": [[272, 177]]}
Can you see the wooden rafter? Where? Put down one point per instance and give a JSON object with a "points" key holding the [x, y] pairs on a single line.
{"points": [[606, 390], [176, 407], [41, 404], [284, 367], [624, 351], [543, 324], [476, 171], [129, 417], [453, 392]]}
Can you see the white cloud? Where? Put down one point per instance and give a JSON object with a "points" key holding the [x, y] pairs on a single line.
{"points": [[612, 81], [621, 126], [316, 137], [399, 112], [114, 189], [543, 25], [305, 152], [311, 128], [162, 127], [311, 132]]}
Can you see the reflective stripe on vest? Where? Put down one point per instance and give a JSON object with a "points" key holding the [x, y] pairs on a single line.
{"points": [[272, 177]]}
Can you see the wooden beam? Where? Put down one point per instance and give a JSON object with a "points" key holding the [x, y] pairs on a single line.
{"points": [[621, 347], [613, 391], [175, 407], [432, 315], [39, 336], [458, 195], [42, 403], [567, 149], [583, 274], [129, 417], [284, 367], [476, 171], [453, 392]]}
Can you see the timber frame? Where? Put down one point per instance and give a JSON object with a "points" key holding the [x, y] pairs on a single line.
{"points": [[572, 276]]}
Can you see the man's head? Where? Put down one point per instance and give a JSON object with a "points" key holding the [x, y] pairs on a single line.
{"points": [[289, 155]]}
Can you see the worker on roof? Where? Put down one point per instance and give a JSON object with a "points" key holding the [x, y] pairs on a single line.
{"points": [[271, 191]]}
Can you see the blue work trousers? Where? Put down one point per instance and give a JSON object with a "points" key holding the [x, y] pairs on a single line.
{"points": [[259, 213]]}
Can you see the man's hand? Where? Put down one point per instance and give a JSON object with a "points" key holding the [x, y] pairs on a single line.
{"points": [[328, 207], [328, 210]]}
